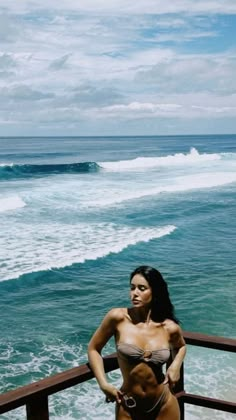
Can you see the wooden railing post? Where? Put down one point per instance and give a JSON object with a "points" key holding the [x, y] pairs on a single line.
{"points": [[180, 388], [37, 409]]}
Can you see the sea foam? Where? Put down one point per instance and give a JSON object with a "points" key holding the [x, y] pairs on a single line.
{"points": [[191, 158], [179, 184], [58, 245], [11, 203]]}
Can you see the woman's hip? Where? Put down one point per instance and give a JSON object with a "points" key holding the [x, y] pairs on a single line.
{"points": [[145, 407]]}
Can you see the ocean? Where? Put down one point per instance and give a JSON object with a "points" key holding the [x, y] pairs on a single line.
{"points": [[77, 215]]}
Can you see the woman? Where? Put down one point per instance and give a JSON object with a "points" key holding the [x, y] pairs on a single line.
{"points": [[145, 336]]}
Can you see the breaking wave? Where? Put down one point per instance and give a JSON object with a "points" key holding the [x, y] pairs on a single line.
{"points": [[191, 158], [14, 171]]}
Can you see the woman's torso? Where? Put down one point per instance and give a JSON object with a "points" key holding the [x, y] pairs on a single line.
{"points": [[142, 349]]}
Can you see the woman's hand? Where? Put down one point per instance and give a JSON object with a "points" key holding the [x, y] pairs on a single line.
{"points": [[172, 377], [112, 394]]}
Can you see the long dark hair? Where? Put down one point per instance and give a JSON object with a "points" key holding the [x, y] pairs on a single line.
{"points": [[162, 307]]}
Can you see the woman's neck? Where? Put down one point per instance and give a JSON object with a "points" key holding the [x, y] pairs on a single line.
{"points": [[143, 315]]}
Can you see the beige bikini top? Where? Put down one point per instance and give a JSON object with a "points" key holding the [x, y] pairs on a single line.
{"points": [[135, 353]]}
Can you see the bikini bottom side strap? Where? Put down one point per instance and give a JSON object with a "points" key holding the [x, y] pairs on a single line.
{"points": [[159, 402]]}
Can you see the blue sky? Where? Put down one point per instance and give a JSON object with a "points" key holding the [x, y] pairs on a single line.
{"points": [[102, 67]]}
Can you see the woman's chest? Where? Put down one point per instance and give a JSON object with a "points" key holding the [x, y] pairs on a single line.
{"points": [[146, 336]]}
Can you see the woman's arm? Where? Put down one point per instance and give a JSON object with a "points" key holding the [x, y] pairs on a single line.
{"points": [[104, 332], [178, 347]]}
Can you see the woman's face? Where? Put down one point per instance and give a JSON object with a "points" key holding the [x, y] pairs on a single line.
{"points": [[140, 291]]}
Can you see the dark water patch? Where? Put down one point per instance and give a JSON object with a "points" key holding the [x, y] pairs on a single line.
{"points": [[9, 172]]}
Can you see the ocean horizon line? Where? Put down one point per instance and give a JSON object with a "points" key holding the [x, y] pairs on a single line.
{"points": [[117, 136]]}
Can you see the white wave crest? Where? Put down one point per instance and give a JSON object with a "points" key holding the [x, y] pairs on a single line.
{"points": [[179, 184], [6, 164], [191, 158], [11, 203], [55, 245]]}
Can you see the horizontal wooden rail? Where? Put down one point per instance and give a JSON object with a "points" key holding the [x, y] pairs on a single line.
{"points": [[207, 402], [48, 386], [211, 342], [35, 395]]}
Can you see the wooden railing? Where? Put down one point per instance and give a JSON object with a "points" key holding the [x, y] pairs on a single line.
{"points": [[210, 342], [35, 396]]}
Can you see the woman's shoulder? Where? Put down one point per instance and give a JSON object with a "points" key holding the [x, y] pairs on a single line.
{"points": [[117, 314], [175, 333], [172, 327]]}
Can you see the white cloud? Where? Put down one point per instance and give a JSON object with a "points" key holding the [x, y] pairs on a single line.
{"points": [[137, 110], [124, 6], [6, 61], [192, 73], [59, 63], [149, 108], [23, 93], [186, 36], [228, 110], [8, 28], [70, 62]]}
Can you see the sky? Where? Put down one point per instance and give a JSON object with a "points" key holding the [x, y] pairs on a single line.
{"points": [[103, 67]]}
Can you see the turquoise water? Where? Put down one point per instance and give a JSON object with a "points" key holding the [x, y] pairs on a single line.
{"points": [[77, 215]]}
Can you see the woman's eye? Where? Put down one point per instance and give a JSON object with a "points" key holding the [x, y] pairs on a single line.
{"points": [[141, 288]]}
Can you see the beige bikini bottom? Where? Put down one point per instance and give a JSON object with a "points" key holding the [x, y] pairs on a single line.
{"points": [[131, 403]]}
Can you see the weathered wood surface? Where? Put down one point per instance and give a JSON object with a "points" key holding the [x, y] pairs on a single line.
{"points": [[37, 409], [221, 405], [210, 341]]}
